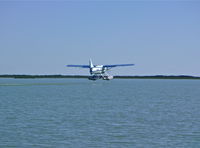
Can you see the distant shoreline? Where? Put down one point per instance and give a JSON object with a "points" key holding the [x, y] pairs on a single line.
{"points": [[84, 76]]}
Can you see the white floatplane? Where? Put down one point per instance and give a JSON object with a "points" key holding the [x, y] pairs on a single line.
{"points": [[99, 71]]}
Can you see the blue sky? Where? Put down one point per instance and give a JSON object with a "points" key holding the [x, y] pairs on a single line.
{"points": [[160, 37]]}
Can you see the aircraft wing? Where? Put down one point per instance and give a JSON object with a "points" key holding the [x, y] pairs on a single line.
{"points": [[79, 66], [117, 65]]}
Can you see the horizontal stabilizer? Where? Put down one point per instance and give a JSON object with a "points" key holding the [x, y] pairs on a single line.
{"points": [[79, 66]]}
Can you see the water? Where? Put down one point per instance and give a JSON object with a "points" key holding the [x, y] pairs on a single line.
{"points": [[73, 113]]}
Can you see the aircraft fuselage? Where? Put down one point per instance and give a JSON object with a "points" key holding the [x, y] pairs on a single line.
{"points": [[97, 69]]}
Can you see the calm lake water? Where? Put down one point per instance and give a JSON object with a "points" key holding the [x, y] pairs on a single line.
{"points": [[78, 113]]}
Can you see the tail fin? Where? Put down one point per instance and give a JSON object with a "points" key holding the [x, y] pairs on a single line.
{"points": [[90, 63]]}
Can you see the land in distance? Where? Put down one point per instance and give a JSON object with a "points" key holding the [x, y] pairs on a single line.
{"points": [[85, 76]]}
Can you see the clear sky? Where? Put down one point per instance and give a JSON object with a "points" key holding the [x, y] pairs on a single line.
{"points": [[160, 37]]}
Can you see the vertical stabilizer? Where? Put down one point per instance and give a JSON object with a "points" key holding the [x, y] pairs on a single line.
{"points": [[90, 63]]}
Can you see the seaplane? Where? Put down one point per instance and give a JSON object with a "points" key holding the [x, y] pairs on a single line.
{"points": [[99, 71]]}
